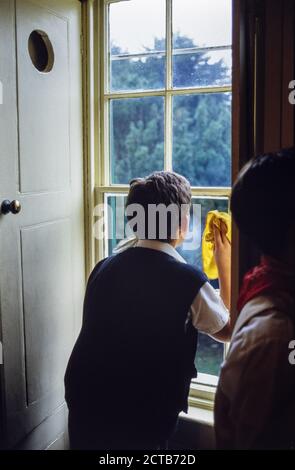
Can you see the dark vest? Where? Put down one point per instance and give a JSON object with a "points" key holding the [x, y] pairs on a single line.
{"points": [[134, 358]]}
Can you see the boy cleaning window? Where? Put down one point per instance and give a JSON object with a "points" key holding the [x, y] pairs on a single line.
{"points": [[129, 374]]}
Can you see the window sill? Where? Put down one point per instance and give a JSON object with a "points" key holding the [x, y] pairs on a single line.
{"points": [[199, 415], [202, 395]]}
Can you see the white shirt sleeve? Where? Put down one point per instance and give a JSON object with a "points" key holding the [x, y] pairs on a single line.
{"points": [[208, 312]]}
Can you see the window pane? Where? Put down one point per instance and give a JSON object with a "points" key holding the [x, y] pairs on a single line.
{"points": [[202, 69], [137, 45], [201, 42], [202, 138], [209, 355], [210, 352], [116, 220], [138, 74], [191, 249], [205, 23], [136, 137]]}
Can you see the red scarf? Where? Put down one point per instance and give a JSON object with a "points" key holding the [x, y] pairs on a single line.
{"points": [[269, 277]]}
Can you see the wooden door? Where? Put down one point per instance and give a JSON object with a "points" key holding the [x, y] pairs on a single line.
{"points": [[42, 247]]}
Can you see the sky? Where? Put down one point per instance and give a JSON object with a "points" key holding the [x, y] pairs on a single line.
{"points": [[135, 23]]}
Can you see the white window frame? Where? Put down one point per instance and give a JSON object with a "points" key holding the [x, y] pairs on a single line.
{"points": [[96, 140]]}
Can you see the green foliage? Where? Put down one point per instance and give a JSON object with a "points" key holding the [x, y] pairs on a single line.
{"points": [[201, 138], [137, 137]]}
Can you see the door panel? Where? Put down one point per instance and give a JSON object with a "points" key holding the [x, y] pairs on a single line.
{"points": [[42, 248], [47, 305], [43, 132]]}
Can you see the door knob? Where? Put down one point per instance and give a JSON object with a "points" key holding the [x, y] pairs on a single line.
{"points": [[10, 206]]}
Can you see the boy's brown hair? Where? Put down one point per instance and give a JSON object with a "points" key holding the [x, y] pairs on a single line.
{"points": [[160, 187]]}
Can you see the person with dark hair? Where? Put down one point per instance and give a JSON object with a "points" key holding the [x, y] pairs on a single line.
{"points": [[255, 401], [129, 374]]}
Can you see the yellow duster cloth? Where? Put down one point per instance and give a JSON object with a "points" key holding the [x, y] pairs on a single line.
{"points": [[214, 218]]}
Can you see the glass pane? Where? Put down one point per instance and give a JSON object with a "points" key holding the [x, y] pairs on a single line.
{"points": [[202, 138], [138, 74], [202, 23], [201, 42], [137, 45], [116, 220], [210, 352], [209, 355], [202, 69], [191, 249], [136, 137]]}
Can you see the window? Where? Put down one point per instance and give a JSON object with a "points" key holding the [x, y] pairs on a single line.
{"points": [[166, 104]]}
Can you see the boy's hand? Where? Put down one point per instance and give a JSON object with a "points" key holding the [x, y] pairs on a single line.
{"points": [[222, 255], [222, 251]]}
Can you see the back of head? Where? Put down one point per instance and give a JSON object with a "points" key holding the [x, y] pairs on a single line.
{"points": [[160, 189], [263, 200]]}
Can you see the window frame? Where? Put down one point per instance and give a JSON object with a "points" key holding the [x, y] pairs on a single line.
{"points": [[167, 93], [96, 140]]}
